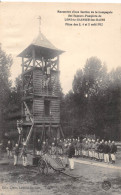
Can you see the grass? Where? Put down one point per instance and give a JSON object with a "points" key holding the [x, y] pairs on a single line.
{"points": [[90, 181]]}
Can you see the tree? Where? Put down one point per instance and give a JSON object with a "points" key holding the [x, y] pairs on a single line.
{"points": [[94, 104], [88, 83], [5, 84], [12, 111]]}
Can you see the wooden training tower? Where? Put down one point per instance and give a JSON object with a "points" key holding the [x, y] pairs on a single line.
{"points": [[40, 89]]}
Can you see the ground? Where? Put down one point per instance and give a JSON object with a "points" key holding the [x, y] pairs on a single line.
{"points": [[16, 180]]}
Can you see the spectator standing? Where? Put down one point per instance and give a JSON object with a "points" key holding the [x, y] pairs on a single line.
{"points": [[16, 153], [113, 152], [71, 152], [106, 151], [53, 150], [100, 150], [39, 147], [9, 149], [24, 155]]}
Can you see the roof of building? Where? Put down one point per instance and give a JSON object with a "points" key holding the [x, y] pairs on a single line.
{"points": [[43, 48]]}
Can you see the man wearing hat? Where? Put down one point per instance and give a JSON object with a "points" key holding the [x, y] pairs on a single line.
{"points": [[71, 152], [16, 153], [24, 155], [38, 147], [53, 150], [9, 149], [113, 152], [100, 149], [106, 150]]}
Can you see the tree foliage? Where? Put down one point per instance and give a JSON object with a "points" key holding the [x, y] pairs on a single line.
{"points": [[10, 97], [5, 85], [93, 105]]}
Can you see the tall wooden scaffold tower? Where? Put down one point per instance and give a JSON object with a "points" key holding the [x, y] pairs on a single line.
{"points": [[40, 89]]}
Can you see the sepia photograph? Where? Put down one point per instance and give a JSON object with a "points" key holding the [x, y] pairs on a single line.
{"points": [[60, 98]]}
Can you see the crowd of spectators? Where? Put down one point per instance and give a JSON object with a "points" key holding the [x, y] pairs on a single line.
{"points": [[93, 149]]}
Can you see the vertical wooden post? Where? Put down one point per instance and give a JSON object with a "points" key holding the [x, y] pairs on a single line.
{"points": [[58, 63], [120, 117], [33, 56], [43, 129], [34, 130], [22, 106], [22, 65], [42, 64], [61, 131], [34, 140]]}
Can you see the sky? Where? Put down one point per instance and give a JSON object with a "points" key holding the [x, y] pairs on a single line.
{"points": [[19, 26]]}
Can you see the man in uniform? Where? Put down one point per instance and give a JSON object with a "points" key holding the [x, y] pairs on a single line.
{"points": [[90, 148], [110, 144], [53, 150], [38, 147], [44, 147], [24, 155], [100, 150], [60, 145], [83, 147], [113, 152], [76, 148], [71, 152], [9, 149], [86, 149], [79, 148], [96, 150], [106, 152], [93, 149], [16, 153]]}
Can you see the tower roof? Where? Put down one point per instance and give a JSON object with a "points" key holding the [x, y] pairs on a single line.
{"points": [[43, 48]]}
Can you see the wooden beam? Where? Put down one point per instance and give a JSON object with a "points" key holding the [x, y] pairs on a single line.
{"points": [[54, 66], [40, 124], [27, 61], [27, 89], [22, 65], [27, 71], [58, 63], [29, 112], [38, 63], [42, 133], [22, 109], [29, 135], [33, 56], [61, 130], [28, 138], [28, 65], [30, 79], [34, 140], [27, 98], [43, 65]]}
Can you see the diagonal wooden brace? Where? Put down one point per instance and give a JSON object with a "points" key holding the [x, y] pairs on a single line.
{"points": [[28, 112], [29, 135]]}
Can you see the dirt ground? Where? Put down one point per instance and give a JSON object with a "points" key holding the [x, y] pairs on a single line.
{"points": [[16, 180]]}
